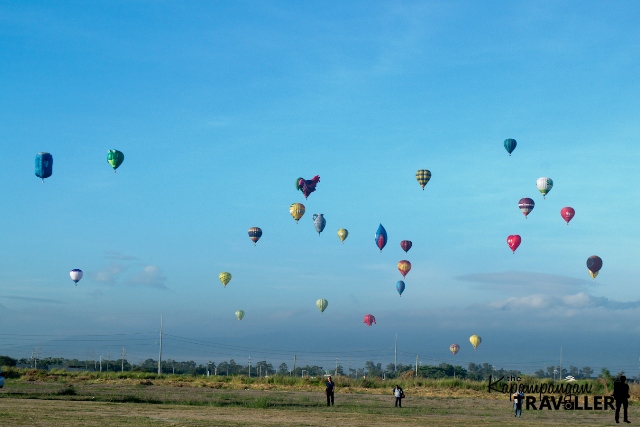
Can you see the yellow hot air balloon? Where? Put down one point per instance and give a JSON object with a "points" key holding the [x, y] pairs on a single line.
{"points": [[475, 341], [239, 314], [322, 304], [423, 176], [296, 210], [225, 278], [342, 234]]}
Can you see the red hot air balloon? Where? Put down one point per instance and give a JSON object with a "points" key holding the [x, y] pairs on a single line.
{"points": [[404, 266], [406, 245], [526, 205], [514, 241], [567, 213], [369, 319]]}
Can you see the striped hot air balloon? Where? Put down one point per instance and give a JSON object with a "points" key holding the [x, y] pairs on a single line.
{"points": [[526, 205], [423, 176], [44, 165], [322, 304], [254, 234], [510, 145]]}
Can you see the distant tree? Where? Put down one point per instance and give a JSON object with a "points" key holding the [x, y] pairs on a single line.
{"points": [[574, 371], [7, 361], [586, 372], [339, 371], [540, 374], [372, 369], [283, 369], [551, 371]]}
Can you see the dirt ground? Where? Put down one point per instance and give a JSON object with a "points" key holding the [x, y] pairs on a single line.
{"points": [[54, 404]]}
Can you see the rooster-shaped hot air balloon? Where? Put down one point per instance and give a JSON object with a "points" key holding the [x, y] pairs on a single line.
{"points": [[307, 186], [369, 319]]}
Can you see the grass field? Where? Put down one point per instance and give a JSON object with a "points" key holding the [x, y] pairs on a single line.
{"points": [[129, 402]]}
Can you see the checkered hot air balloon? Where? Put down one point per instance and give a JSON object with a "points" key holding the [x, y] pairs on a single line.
{"points": [[423, 176], [225, 278], [526, 205], [404, 267], [254, 234]]}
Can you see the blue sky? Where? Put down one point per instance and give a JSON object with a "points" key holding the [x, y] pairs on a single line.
{"points": [[219, 106]]}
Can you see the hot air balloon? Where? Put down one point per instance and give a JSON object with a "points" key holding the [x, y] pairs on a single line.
{"points": [[514, 241], [400, 287], [44, 165], [510, 145], [475, 341], [526, 205], [406, 245], [404, 266], [567, 213], [544, 185], [319, 222], [254, 234], [239, 314], [381, 237], [296, 210], [342, 234], [115, 158], [307, 186], [594, 264], [423, 176], [225, 278], [455, 348], [322, 304], [76, 275], [369, 319]]}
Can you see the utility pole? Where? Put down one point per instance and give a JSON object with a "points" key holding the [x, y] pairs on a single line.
{"points": [[100, 363], [560, 362], [294, 365], [395, 354], [416, 366], [160, 355], [249, 366], [336, 374], [108, 358], [122, 359], [35, 356]]}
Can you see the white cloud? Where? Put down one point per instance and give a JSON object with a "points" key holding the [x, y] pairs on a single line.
{"points": [[110, 274], [151, 276]]}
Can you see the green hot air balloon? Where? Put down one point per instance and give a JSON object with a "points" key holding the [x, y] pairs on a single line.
{"points": [[239, 314], [322, 304], [115, 158]]}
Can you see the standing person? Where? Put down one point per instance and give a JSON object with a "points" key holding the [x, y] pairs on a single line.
{"points": [[518, 398], [329, 389], [621, 395], [399, 394]]}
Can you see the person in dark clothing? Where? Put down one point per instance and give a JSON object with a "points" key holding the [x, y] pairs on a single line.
{"points": [[329, 389], [621, 395], [518, 397], [399, 394]]}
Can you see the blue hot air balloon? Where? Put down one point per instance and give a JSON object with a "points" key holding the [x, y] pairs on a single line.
{"points": [[44, 165], [510, 145], [400, 287], [381, 237]]}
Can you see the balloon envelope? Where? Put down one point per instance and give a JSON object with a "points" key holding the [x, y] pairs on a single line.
{"points": [[423, 176], [404, 266], [544, 185], [526, 205], [44, 165], [510, 145], [400, 287], [454, 348], [594, 264], [239, 314], [369, 319], [475, 341], [76, 275], [342, 234], [296, 210], [224, 277], [319, 222], [115, 158], [567, 213], [254, 234], [322, 304], [406, 245], [381, 237], [308, 186], [514, 241]]}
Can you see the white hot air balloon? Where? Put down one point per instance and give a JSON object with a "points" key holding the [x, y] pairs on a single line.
{"points": [[544, 185], [76, 275]]}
